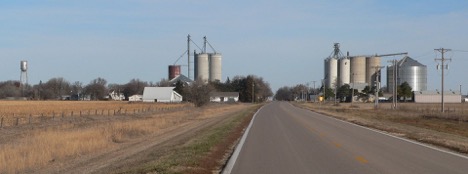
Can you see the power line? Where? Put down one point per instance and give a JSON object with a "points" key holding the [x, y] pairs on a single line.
{"points": [[460, 51]]}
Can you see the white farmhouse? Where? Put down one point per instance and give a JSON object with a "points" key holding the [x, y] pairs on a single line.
{"points": [[161, 94]]}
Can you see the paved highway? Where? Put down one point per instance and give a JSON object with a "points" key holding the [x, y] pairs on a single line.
{"points": [[285, 139]]}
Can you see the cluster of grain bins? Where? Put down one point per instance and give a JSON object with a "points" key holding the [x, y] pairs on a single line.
{"points": [[208, 66], [341, 70], [365, 70]]}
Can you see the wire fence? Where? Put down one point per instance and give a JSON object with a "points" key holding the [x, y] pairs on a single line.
{"points": [[29, 119]]}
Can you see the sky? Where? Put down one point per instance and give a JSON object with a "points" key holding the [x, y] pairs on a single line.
{"points": [[284, 42]]}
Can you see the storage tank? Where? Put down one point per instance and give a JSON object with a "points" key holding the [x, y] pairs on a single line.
{"points": [[331, 73], [410, 71], [358, 69], [202, 67], [174, 71], [345, 70], [371, 64], [24, 65], [215, 67], [414, 73]]}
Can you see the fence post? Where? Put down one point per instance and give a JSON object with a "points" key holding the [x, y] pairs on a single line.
{"points": [[30, 118], [17, 121], [80, 113], [1, 123]]}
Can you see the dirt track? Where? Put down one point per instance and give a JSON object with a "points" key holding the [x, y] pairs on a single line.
{"points": [[141, 149]]}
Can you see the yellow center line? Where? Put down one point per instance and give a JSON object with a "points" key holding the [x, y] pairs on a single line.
{"points": [[361, 159], [337, 144]]}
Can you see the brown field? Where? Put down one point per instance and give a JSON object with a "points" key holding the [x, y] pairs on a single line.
{"points": [[37, 108], [421, 122], [14, 113], [52, 148]]}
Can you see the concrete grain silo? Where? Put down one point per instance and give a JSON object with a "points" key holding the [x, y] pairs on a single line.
{"points": [[202, 67], [358, 69], [344, 71], [215, 67], [371, 64], [331, 74]]}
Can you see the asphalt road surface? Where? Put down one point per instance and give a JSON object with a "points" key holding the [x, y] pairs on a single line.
{"points": [[285, 139]]}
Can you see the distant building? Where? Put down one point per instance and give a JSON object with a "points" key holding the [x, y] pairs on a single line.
{"points": [[182, 78], [161, 94], [435, 97], [135, 98], [224, 97], [117, 96]]}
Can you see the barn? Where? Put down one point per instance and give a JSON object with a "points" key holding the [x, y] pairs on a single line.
{"points": [[161, 94]]}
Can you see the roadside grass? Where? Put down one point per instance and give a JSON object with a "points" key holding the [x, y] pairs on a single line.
{"points": [[421, 122], [204, 153], [34, 148]]}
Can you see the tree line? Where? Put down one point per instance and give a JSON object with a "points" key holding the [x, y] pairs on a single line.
{"points": [[249, 88], [343, 93]]}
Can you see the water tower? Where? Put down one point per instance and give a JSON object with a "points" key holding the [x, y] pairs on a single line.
{"points": [[24, 72]]}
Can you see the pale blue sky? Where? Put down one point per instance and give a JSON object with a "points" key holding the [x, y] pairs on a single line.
{"points": [[284, 42]]}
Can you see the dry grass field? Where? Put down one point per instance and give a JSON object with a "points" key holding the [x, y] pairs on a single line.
{"points": [[27, 148], [421, 122], [14, 113], [37, 108]]}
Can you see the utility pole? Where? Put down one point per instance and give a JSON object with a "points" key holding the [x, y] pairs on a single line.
{"points": [[253, 92], [336, 86], [352, 91], [323, 85], [313, 92], [395, 83], [188, 57], [442, 60], [377, 86]]}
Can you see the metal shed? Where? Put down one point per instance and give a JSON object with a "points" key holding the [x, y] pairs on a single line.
{"points": [[435, 97]]}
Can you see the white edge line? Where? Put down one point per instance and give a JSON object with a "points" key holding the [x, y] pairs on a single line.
{"points": [[400, 138], [235, 155]]}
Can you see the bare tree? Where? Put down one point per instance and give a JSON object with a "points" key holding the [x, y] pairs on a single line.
{"points": [[10, 89], [97, 89], [55, 88], [199, 93], [134, 86]]}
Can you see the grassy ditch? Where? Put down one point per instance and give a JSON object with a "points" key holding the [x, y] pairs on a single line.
{"points": [[414, 121], [204, 153]]}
